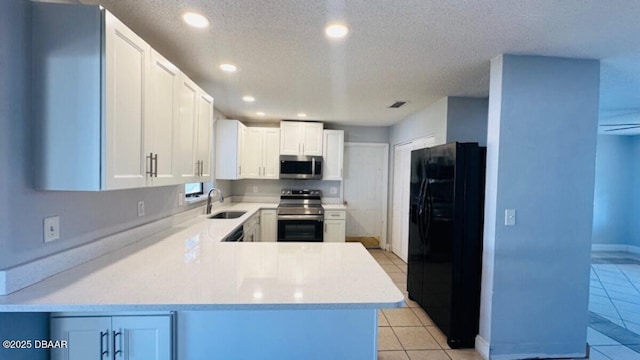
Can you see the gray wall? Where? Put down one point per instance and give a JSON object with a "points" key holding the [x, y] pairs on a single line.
{"points": [[467, 119], [634, 233], [613, 203], [84, 216], [541, 148]]}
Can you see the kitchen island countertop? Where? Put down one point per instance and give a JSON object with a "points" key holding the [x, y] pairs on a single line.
{"points": [[188, 268]]}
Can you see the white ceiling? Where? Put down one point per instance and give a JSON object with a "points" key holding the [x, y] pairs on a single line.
{"points": [[412, 50]]}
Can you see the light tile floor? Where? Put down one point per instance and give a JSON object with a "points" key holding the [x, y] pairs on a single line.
{"points": [[408, 333], [614, 306]]}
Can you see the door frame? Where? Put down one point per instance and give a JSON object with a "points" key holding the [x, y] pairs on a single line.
{"points": [[414, 144], [385, 185]]}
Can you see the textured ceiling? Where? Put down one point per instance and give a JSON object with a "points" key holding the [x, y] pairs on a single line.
{"points": [[413, 50]]}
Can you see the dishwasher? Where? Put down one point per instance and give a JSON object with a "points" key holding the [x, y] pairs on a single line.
{"points": [[236, 235]]}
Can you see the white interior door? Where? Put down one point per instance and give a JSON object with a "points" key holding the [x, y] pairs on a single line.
{"points": [[365, 189], [400, 202]]}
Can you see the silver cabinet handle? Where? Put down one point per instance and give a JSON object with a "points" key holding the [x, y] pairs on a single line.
{"points": [[150, 171], [240, 170], [325, 227], [116, 351], [302, 148], [155, 172], [104, 352]]}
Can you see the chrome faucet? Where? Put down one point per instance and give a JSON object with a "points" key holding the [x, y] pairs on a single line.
{"points": [[220, 198]]}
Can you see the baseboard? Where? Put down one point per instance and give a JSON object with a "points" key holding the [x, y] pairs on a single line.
{"points": [[482, 347], [616, 247], [23, 275]]}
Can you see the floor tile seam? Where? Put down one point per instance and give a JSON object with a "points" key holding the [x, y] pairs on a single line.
{"points": [[428, 332], [609, 296], [594, 348], [631, 282]]}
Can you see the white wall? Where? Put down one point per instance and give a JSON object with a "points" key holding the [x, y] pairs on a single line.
{"points": [[84, 216], [432, 120], [371, 134], [541, 161]]}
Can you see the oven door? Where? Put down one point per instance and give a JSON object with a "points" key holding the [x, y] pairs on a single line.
{"points": [[305, 228]]}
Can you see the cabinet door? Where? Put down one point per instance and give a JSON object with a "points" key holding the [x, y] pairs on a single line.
{"points": [[87, 338], [126, 73], [268, 225], [204, 134], [333, 154], [290, 135], [142, 337], [312, 138], [271, 154], [334, 230], [160, 125], [186, 130], [253, 152]]}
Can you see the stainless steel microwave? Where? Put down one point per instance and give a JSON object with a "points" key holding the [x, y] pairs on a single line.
{"points": [[300, 167]]}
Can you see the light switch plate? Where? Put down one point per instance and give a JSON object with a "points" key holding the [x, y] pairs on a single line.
{"points": [[51, 228], [333, 190], [510, 217]]}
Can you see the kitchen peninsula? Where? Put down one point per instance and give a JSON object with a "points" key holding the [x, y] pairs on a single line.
{"points": [[275, 300]]}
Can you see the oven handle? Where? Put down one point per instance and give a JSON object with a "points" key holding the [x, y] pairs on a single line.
{"points": [[301, 217]]}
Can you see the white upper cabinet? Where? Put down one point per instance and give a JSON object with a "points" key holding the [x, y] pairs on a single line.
{"points": [[333, 154], [186, 130], [204, 136], [261, 153], [115, 116], [229, 149], [161, 122], [195, 132], [300, 138], [271, 153], [127, 68]]}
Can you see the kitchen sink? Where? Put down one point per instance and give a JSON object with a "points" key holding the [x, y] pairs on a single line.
{"points": [[227, 215]]}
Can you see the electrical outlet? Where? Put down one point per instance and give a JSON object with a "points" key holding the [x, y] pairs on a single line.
{"points": [[140, 208], [255, 189], [51, 228], [333, 190], [180, 199]]}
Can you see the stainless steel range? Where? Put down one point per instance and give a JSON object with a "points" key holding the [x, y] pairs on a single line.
{"points": [[300, 216]]}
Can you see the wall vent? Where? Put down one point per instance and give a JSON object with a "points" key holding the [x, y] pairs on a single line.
{"points": [[397, 104]]}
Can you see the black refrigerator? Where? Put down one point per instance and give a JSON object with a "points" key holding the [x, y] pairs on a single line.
{"points": [[445, 237]]}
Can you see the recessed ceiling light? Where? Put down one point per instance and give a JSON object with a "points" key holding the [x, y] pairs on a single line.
{"points": [[336, 31], [260, 113], [228, 67], [302, 115], [196, 20], [248, 98]]}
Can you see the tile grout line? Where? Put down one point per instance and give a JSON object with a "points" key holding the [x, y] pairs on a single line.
{"points": [[606, 292]]}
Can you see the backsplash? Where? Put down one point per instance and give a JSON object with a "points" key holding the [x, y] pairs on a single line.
{"points": [[269, 190]]}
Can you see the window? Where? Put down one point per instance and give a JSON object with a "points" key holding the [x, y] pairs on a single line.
{"points": [[193, 189]]}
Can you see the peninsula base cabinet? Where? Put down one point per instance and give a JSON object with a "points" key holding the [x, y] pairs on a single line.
{"points": [[269, 225], [113, 337], [335, 226]]}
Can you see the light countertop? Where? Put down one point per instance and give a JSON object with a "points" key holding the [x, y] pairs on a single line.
{"points": [[188, 268]]}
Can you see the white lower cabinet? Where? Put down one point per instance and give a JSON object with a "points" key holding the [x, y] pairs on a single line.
{"points": [[268, 225], [252, 229], [113, 337], [334, 225]]}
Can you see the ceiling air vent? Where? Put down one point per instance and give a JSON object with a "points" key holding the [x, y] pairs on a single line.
{"points": [[397, 104]]}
